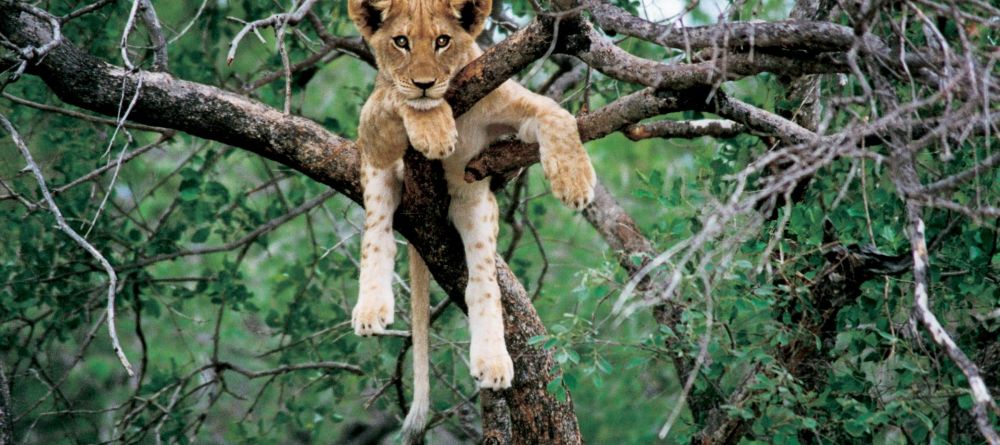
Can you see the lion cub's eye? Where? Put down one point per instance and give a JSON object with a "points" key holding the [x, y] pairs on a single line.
{"points": [[442, 41], [401, 41]]}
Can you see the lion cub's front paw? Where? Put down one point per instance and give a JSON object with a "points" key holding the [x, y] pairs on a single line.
{"points": [[573, 182], [434, 143], [372, 316], [492, 369]]}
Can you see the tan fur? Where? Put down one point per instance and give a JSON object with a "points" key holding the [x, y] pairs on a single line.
{"points": [[407, 107], [416, 419]]}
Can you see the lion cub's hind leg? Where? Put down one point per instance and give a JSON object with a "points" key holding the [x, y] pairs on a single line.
{"points": [[432, 131], [474, 211]]}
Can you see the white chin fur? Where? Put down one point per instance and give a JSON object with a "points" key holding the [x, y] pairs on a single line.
{"points": [[423, 103]]}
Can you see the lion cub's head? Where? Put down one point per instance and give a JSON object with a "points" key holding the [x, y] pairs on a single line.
{"points": [[420, 44]]}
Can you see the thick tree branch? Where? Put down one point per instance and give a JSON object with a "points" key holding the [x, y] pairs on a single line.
{"points": [[795, 35], [709, 69]]}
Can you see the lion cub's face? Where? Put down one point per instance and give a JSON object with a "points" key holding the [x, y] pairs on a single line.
{"points": [[420, 44]]}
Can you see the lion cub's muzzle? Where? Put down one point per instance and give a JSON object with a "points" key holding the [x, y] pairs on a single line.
{"points": [[424, 94]]}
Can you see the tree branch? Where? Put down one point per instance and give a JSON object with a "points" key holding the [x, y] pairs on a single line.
{"points": [[793, 35], [717, 128]]}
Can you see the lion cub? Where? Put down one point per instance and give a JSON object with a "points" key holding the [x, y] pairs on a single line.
{"points": [[419, 45]]}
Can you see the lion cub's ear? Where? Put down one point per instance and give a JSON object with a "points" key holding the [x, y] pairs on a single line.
{"points": [[472, 14], [368, 15]]}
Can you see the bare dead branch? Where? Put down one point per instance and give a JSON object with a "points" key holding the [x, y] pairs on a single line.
{"points": [[65, 228], [352, 45], [112, 164], [761, 121], [276, 21], [129, 25], [717, 128], [605, 56], [86, 117], [982, 399], [85, 10], [242, 241], [338, 366], [34, 52], [951, 182], [156, 37], [790, 35]]}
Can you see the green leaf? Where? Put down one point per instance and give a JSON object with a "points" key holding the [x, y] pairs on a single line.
{"points": [[604, 365], [855, 428], [200, 235], [570, 380], [555, 385], [809, 423], [190, 189], [574, 356], [965, 402], [536, 340]]}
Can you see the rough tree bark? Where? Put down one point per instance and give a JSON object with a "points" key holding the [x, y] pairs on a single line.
{"points": [[6, 415]]}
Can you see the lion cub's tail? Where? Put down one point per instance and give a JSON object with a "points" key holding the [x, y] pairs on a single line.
{"points": [[416, 419]]}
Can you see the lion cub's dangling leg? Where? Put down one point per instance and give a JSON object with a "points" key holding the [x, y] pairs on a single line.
{"points": [[374, 311], [473, 210], [382, 148]]}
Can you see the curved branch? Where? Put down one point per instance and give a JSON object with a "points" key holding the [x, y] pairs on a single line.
{"points": [[788, 35], [605, 56]]}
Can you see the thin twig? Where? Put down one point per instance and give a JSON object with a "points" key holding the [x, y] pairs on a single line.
{"points": [[249, 237], [85, 10], [87, 117], [61, 223], [123, 43], [276, 20]]}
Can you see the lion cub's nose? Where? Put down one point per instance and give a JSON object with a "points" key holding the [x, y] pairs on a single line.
{"points": [[424, 84]]}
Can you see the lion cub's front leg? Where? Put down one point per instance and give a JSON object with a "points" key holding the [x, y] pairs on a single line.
{"points": [[432, 131], [564, 160], [382, 141]]}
